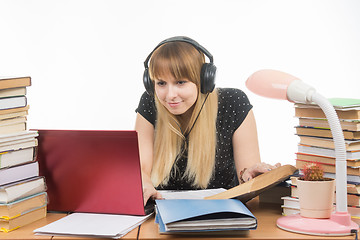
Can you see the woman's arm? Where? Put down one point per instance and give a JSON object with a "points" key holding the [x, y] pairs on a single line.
{"points": [[246, 150], [145, 132]]}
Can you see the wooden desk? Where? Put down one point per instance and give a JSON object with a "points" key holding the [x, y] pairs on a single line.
{"points": [[266, 214]]}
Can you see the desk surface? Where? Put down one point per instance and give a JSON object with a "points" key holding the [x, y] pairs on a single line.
{"points": [[266, 214]]}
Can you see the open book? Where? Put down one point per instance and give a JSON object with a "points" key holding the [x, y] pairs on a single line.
{"points": [[257, 185], [243, 192]]}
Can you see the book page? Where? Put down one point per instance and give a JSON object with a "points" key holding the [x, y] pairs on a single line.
{"points": [[190, 194]]}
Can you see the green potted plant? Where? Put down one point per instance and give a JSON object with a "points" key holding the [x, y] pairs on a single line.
{"points": [[316, 193]]}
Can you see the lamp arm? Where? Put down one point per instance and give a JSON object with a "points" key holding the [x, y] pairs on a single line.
{"points": [[340, 150]]}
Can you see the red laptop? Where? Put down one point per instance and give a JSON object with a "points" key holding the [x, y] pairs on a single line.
{"points": [[91, 171]]}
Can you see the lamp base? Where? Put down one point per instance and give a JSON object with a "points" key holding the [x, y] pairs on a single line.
{"points": [[339, 224]]}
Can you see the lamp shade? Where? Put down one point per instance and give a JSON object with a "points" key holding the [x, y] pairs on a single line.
{"points": [[280, 85]]}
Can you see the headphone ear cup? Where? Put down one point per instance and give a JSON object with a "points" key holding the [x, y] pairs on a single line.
{"points": [[207, 78], [148, 83]]}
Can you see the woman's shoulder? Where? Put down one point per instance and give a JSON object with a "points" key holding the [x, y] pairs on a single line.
{"points": [[233, 99], [147, 101], [233, 107], [231, 93], [147, 107]]}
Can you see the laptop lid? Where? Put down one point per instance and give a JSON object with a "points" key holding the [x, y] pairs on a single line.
{"points": [[91, 171]]}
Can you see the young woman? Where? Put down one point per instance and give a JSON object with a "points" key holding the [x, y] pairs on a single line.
{"points": [[192, 136]]}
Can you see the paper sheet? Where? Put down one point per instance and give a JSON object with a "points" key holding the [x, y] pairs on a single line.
{"points": [[94, 225]]}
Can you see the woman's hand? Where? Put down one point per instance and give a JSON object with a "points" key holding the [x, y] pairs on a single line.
{"points": [[150, 192], [257, 169]]}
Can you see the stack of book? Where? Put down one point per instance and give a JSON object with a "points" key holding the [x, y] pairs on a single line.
{"points": [[291, 203], [316, 145], [316, 142], [23, 197]]}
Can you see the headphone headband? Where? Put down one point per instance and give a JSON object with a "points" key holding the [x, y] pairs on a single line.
{"points": [[208, 70], [180, 39]]}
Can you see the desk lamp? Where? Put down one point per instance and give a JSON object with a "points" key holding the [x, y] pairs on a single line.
{"points": [[280, 85]]}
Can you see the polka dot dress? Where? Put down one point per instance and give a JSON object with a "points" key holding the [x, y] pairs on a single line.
{"points": [[233, 107]]}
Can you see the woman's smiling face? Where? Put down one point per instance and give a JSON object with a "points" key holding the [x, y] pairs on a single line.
{"points": [[177, 95]]}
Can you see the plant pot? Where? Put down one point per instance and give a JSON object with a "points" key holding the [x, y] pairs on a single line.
{"points": [[316, 198]]}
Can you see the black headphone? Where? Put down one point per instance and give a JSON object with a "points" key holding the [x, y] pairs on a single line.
{"points": [[208, 70]]}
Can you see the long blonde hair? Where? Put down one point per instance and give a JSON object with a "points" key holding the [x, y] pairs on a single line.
{"points": [[183, 61]]}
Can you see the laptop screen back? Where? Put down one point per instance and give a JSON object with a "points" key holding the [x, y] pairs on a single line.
{"points": [[91, 171]]}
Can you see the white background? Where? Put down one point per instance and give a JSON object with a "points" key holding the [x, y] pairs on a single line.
{"points": [[86, 57]]}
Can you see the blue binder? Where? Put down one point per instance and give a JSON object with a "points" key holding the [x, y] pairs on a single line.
{"points": [[199, 215]]}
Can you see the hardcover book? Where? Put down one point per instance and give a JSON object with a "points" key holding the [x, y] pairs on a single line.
{"points": [[14, 82], [21, 189], [22, 206], [318, 113], [13, 102], [257, 185], [20, 172], [22, 220]]}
